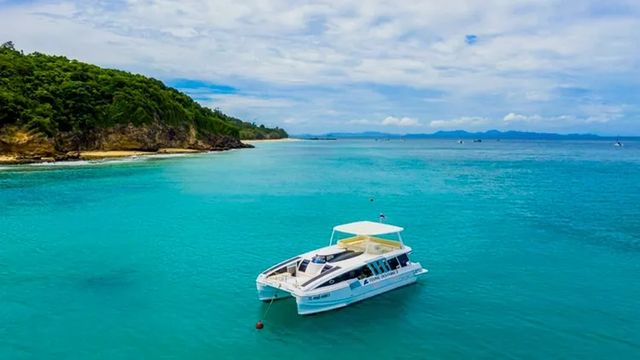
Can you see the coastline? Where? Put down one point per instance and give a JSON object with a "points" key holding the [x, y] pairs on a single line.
{"points": [[92, 155], [271, 140], [95, 155]]}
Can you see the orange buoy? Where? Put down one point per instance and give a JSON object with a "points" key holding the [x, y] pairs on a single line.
{"points": [[259, 325]]}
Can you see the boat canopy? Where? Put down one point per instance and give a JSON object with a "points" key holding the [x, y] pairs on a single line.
{"points": [[367, 228]]}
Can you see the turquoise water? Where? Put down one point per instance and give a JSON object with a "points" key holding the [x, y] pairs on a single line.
{"points": [[533, 250]]}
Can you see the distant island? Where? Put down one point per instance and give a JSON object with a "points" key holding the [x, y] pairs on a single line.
{"points": [[53, 108], [461, 134]]}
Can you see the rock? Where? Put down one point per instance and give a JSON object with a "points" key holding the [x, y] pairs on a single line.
{"points": [[148, 137]]}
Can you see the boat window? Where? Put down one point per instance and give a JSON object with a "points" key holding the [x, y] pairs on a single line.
{"points": [[348, 254], [393, 263], [321, 275], [366, 272], [403, 259], [326, 268], [335, 280], [384, 266], [360, 273], [303, 265], [319, 259], [376, 269], [279, 271], [380, 266], [280, 264]]}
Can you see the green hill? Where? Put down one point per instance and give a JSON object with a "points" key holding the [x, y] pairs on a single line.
{"points": [[51, 105]]}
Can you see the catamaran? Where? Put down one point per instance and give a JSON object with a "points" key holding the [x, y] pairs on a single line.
{"points": [[353, 269]]}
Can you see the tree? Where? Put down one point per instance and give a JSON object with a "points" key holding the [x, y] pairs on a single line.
{"points": [[8, 45]]}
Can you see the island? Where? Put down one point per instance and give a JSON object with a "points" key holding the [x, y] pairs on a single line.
{"points": [[53, 108]]}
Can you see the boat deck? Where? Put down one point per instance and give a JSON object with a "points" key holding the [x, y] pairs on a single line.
{"points": [[363, 248], [369, 244]]}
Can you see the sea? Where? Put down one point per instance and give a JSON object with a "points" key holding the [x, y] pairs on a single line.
{"points": [[532, 247]]}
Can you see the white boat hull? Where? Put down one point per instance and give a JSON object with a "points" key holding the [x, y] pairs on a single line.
{"points": [[346, 295]]}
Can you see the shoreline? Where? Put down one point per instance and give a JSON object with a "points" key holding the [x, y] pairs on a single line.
{"points": [[92, 155], [95, 155]]}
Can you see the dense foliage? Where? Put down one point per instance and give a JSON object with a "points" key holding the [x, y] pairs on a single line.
{"points": [[51, 94]]}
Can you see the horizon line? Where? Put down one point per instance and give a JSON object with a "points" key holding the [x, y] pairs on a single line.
{"points": [[469, 132]]}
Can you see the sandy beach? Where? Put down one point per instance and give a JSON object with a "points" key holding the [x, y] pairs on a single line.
{"points": [[92, 155], [7, 159], [111, 154], [97, 155]]}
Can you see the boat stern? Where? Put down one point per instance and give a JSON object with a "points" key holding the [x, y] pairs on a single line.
{"points": [[268, 292], [274, 287]]}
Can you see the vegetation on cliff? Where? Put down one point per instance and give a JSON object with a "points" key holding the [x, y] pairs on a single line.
{"points": [[67, 105]]}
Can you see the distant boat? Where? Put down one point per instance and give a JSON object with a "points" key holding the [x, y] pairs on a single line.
{"points": [[460, 142], [618, 143], [477, 140]]}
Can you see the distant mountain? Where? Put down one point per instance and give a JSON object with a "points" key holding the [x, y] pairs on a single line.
{"points": [[495, 134], [462, 134]]}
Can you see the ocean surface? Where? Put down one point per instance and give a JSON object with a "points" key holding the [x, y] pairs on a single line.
{"points": [[533, 251]]}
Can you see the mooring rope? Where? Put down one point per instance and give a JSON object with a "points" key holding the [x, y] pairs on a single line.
{"points": [[268, 308]]}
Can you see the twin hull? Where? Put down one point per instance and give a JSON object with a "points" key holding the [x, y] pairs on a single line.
{"points": [[345, 293]]}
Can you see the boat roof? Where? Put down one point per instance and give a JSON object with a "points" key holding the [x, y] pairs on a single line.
{"points": [[367, 228]]}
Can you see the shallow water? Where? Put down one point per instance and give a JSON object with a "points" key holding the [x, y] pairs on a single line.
{"points": [[533, 251]]}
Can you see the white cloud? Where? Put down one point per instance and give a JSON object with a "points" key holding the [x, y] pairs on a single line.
{"points": [[388, 121], [419, 44], [403, 121], [599, 113], [465, 122], [293, 121], [584, 116], [515, 117], [363, 122], [523, 52], [230, 102]]}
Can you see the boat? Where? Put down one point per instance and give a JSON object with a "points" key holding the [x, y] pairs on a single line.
{"points": [[460, 142], [355, 268], [477, 140], [618, 143]]}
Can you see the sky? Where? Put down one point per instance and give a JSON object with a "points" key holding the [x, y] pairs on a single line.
{"points": [[393, 66]]}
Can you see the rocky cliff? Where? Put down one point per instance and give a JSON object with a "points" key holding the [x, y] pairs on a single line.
{"points": [[27, 146]]}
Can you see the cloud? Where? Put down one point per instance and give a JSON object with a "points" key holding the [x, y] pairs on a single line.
{"points": [[230, 102], [600, 113], [515, 117], [403, 121], [415, 44], [465, 122], [316, 57], [388, 121], [596, 116]]}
